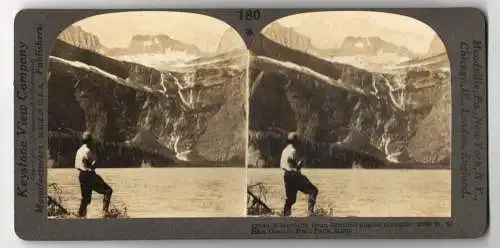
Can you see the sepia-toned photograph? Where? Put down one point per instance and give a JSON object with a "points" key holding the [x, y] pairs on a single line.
{"points": [[147, 118], [166, 114], [349, 116]]}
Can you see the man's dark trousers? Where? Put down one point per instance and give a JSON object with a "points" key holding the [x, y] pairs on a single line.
{"points": [[90, 181], [295, 181]]}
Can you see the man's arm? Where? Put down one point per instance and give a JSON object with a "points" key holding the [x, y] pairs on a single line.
{"points": [[292, 162], [300, 163], [292, 159], [89, 160]]}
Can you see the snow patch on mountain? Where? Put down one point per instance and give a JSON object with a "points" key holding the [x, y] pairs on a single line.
{"points": [[159, 61], [379, 62]]}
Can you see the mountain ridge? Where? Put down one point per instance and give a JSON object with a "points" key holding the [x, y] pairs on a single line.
{"points": [[368, 46], [160, 43], [351, 45], [295, 91], [147, 114], [436, 46], [138, 44]]}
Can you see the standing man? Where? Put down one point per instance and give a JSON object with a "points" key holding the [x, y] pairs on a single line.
{"points": [[294, 180], [89, 180]]}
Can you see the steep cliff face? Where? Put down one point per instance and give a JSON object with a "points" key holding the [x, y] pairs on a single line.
{"points": [[344, 114], [432, 140], [76, 36], [162, 118], [230, 41], [436, 47], [288, 37]]}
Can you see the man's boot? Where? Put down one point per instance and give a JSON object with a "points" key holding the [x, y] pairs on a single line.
{"points": [[82, 211], [310, 204], [310, 208], [105, 204], [287, 209]]}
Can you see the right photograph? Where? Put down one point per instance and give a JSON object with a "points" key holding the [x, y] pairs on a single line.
{"points": [[349, 115]]}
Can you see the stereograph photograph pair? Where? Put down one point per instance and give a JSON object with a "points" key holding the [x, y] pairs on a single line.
{"points": [[265, 116]]}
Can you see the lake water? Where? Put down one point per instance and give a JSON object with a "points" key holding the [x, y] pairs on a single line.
{"points": [[221, 192], [366, 193], [163, 192]]}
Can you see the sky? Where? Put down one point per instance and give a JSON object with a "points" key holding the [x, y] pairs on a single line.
{"points": [[328, 29], [116, 29]]}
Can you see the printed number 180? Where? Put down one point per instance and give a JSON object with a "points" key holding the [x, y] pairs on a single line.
{"points": [[249, 14]]}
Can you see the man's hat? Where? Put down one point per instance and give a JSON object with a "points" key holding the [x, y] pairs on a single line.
{"points": [[292, 136], [87, 136]]}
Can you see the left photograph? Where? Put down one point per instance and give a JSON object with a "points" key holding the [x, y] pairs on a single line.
{"points": [[147, 118]]}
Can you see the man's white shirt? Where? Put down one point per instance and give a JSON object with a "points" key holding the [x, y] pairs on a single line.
{"points": [[288, 154], [82, 154]]}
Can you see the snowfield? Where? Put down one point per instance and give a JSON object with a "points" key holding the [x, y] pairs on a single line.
{"points": [[159, 61], [380, 62]]}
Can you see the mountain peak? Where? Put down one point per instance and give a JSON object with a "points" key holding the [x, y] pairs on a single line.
{"points": [[139, 43], [148, 37], [230, 41], [78, 37], [371, 45], [157, 51], [145, 43], [436, 46], [288, 37]]}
